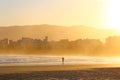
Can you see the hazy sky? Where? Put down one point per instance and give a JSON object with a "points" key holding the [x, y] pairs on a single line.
{"points": [[57, 12]]}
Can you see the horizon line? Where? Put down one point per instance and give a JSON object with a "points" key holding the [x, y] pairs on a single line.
{"points": [[54, 25]]}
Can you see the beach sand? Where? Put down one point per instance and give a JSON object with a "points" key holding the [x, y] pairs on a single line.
{"points": [[60, 72]]}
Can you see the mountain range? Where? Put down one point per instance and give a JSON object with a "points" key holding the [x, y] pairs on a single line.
{"points": [[54, 32]]}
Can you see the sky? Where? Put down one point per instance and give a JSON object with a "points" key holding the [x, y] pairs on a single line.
{"points": [[57, 12]]}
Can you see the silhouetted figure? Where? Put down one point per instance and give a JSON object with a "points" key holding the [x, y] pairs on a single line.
{"points": [[46, 39], [62, 60]]}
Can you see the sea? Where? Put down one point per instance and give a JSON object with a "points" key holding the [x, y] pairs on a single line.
{"points": [[55, 60]]}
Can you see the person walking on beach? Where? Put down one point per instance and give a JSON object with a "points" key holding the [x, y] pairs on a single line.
{"points": [[62, 60]]}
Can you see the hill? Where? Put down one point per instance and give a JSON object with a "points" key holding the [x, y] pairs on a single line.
{"points": [[54, 32]]}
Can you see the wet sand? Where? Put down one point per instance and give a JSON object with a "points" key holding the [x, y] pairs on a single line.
{"points": [[60, 72], [29, 68]]}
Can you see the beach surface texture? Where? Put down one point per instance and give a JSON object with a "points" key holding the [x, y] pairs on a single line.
{"points": [[60, 72]]}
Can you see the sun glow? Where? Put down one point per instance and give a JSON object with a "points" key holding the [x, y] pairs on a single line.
{"points": [[112, 14]]}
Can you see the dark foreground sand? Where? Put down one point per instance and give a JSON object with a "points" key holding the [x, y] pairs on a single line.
{"points": [[60, 72]]}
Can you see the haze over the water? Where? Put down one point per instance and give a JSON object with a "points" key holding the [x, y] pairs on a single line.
{"points": [[96, 13]]}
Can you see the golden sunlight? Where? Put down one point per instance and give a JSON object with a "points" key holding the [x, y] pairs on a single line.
{"points": [[112, 14]]}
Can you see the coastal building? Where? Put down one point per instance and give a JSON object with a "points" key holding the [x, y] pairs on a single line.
{"points": [[4, 43]]}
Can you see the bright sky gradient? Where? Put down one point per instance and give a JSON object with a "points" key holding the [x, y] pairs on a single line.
{"points": [[56, 12]]}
